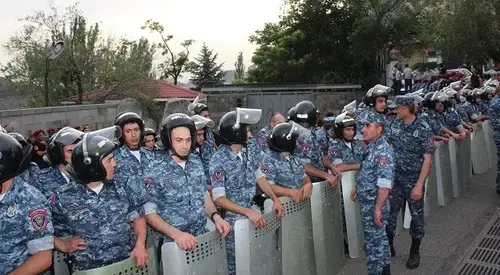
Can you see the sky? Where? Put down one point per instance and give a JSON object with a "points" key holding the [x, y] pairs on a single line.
{"points": [[224, 25]]}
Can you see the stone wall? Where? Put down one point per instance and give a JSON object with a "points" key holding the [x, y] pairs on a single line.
{"points": [[96, 115]]}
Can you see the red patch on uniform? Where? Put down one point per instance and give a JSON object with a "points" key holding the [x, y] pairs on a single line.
{"points": [[53, 198], [305, 147], [382, 161], [39, 219], [334, 152], [265, 169], [218, 175], [148, 182], [431, 141]]}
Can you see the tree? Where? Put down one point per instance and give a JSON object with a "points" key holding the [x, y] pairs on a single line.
{"points": [[86, 64], [309, 44], [475, 38], [175, 64], [205, 71], [240, 67]]}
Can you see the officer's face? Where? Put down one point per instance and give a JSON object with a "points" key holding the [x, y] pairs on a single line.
{"points": [[478, 99], [149, 141], [132, 134], [200, 137], [440, 107], [181, 141], [68, 150], [205, 114], [109, 165], [371, 131], [380, 104], [349, 133], [402, 112]]}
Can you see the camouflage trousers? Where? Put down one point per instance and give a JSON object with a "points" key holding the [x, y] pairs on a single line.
{"points": [[376, 243], [400, 194]]}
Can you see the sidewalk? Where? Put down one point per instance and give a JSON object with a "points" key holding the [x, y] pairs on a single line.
{"points": [[450, 232]]}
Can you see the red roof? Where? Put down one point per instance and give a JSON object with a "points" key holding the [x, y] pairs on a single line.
{"points": [[164, 90]]}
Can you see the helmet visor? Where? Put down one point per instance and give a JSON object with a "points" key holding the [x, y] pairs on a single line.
{"points": [[298, 130], [248, 116], [112, 133], [350, 108], [379, 90], [202, 122], [439, 96]]}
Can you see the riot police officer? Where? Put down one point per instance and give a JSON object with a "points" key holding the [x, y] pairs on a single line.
{"points": [[410, 138], [26, 232], [234, 170], [373, 186], [345, 152], [179, 195], [96, 209], [375, 100], [203, 149], [149, 139]]}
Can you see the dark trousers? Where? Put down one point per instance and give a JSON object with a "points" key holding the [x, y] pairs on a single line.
{"points": [[408, 85]]}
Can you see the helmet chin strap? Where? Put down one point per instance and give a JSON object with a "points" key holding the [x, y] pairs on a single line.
{"points": [[183, 158]]}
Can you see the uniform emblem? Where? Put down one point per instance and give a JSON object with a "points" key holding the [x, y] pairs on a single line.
{"points": [[53, 200], [305, 147], [265, 169], [148, 182], [382, 161], [431, 141], [415, 134], [218, 175], [11, 211], [39, 220]]}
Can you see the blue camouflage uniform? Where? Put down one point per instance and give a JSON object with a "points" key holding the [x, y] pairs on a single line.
{"points": [[102, 219], [452, 119], [311, 152], [462, 113], [26, 227], [322, 138], [483, 108], [495, 125], [471, 110], [205, 153], [177, 195], [234, 177], [49, 180], [377, 171], [31, 174], [341, 153], [434, 120], [286, 172], [410, 142], [128, 166], [261, 138], [362, 116]]}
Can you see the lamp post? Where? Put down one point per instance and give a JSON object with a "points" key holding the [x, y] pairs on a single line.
{"points": [[57, 49]]}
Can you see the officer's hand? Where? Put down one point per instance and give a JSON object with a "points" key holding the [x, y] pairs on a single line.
{"points": [[332, 181], [185, 241], [278, 209], [296, 195], [445, 140], [307, 191], [353, 194], [336, 172], [377, 217], [141, 255], [222, 226], [75, 244], [257, 219], [416, 193]]}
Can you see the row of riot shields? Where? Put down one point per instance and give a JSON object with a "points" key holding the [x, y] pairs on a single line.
{"points": [[309, 239]]}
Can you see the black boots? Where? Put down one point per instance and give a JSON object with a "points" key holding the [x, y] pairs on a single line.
{"points": [[391, 245], [414, 259], [386, 270]]}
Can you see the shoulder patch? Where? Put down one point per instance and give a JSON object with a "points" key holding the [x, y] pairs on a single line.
{"points": [[218, 175], [39, 219], [148, 183], [382, 161], [265, 169]]}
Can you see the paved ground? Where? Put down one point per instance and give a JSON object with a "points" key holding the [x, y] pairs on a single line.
{"points": [[450, 231]]}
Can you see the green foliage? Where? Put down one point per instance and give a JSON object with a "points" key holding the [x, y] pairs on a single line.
{"points": [[175, 63], [205, 71], [239, 67], [87, 63]]}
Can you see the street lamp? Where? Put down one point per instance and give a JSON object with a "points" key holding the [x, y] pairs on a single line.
{"points": [[57, 49]]}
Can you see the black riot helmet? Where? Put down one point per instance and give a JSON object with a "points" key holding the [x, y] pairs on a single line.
{"points": [[284, 136], [233, 126], [174, 121], [377, 91], [341, 122], [64, 137], [291, 114], [14, 159], [130, 117], [437, 97], [307, 114], [427, 99], [86, 160], [19, 139], [149, 132]]}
